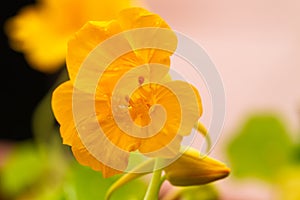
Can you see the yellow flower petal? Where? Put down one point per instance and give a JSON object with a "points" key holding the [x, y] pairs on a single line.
{"points": [[85, 40], [134, 18], [62, 108], [138, 17], [183, 108], [84, 157], [94, 33], [117, 136]]}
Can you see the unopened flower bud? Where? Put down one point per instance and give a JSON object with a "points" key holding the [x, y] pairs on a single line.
{"points": [[191, 169]]}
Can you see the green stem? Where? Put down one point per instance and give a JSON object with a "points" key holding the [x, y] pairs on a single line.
{"points": [[162, 180], [201, 129], [155, 183]]}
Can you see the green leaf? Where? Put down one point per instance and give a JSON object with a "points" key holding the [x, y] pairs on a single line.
{"points": [[260, 148]]}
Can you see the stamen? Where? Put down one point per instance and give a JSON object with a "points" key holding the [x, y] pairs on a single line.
{"points": [[127, 98], [141, 80]]}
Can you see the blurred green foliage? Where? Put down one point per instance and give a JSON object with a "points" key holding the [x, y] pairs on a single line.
{"points": [[36, 173], [204, 192], [201, 192], [263, 148], [23, 168]]}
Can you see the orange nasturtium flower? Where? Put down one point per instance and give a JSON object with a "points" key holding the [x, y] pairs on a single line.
{"points": [[41, 31], [136, 104]]}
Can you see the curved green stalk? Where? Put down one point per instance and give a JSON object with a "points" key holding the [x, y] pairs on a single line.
{"points": [[155, 183], [133, 174], [201, 129]]}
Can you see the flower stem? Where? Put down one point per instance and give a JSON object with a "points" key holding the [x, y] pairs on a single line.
{"points": [[201, 129], [155, 183]]}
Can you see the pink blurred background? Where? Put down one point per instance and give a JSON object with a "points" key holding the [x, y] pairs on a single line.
{"points": [[255, 45]]}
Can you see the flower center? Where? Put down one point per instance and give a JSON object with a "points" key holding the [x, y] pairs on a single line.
{"points": [[140, 103]]}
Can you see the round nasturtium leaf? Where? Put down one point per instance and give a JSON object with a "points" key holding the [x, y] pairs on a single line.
{"points": [[260, 148]]}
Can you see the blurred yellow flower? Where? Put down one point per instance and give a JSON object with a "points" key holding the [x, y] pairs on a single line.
{"points": [[167, 108], [192, 169], [41, 31]]}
